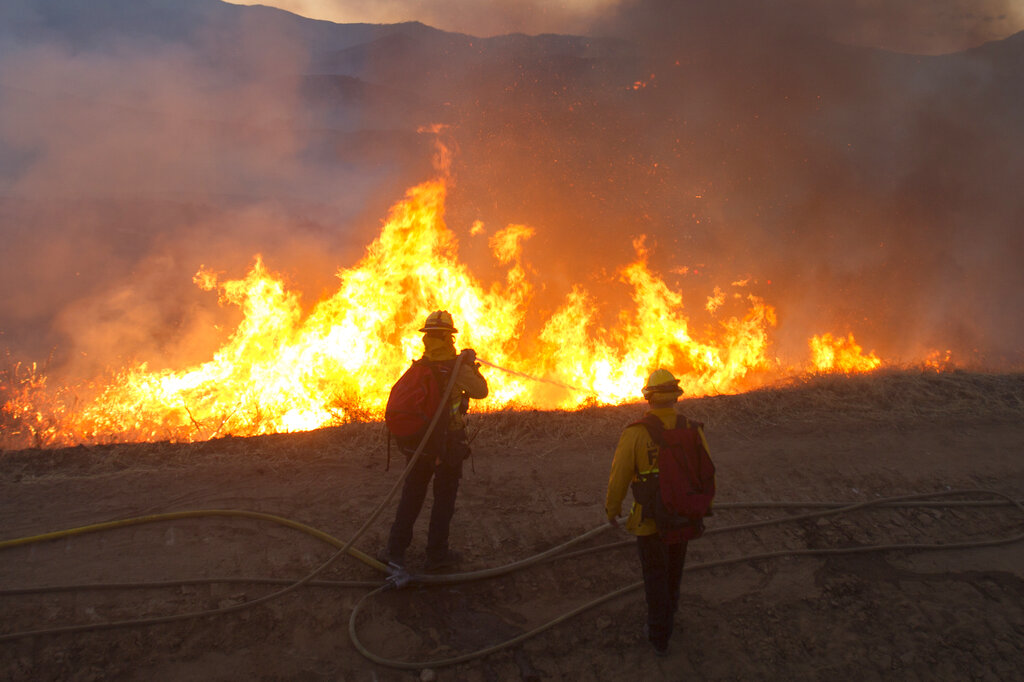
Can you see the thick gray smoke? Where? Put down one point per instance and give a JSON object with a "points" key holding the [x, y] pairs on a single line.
{"points": [[858, 189], [876, 190], [138, 143]]}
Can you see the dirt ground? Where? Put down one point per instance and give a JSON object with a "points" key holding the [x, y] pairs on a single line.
{"points": [[536, 481]]}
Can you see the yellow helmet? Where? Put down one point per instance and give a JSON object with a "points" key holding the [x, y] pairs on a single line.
{"points": [[439, 321], [661, 382]]}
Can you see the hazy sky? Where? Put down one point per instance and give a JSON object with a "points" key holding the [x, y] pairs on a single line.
{"points": [[921, 26]]}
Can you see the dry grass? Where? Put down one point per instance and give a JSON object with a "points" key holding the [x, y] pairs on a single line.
{"points": [[899, 398], [895, 397], [887, 396]]}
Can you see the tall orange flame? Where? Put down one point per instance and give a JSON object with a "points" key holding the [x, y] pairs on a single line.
{"points": [[285, 370]]}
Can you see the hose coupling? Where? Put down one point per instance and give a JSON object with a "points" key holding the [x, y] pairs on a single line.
{"points": [[398, 578]]}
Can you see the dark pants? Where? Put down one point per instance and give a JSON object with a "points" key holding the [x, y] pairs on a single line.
{"points": [[662, 566], [446, 486]]}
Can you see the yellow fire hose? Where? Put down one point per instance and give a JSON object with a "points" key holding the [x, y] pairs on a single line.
{"points": [[837, 508], [397, 579], [829, 509], [346, 548]]}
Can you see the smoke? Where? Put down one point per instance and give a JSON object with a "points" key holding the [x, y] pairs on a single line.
{"points": [[857, 190], [875, 189], [936, 27], [910, 26], [126, 162], [913, 26]]}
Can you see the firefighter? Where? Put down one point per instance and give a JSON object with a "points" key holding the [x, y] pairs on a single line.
{"points": [[444, 452], [662, 554]]}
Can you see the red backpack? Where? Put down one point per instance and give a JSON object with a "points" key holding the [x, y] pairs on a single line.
{"points": [[413, 401], [678, 492]]}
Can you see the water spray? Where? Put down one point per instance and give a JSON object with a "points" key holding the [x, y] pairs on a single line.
{"points": [[539, 379]]}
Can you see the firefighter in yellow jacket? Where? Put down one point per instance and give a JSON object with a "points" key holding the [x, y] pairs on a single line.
{"points": [[661, 558]]}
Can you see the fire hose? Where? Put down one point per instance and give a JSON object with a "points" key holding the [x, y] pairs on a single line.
{"points": [[345, 548], [535, 378], [555, 553], [398, 577], [559, 552]]}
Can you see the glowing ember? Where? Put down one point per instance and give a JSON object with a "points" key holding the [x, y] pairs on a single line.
{"points": [[939, 360], [284, 369]]}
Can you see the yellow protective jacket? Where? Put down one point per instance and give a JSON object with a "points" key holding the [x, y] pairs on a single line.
{"points": [[636, 453]]}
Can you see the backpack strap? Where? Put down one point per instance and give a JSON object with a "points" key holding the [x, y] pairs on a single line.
{"points": [[654, 428], [688, 423], [440, 370]]}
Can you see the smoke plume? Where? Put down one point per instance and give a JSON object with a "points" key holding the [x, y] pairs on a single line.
{"points": [[856, 189]]}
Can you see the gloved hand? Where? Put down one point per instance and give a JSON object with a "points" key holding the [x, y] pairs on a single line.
{"points": [[469, 355]]}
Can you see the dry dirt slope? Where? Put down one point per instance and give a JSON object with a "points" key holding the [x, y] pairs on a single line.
{"points": [[537, 480]]}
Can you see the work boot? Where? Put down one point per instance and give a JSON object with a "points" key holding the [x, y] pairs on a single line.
{"points": [[450, 559], [660, 649]]}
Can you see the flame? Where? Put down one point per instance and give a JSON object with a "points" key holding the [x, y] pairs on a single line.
{"points": [[938, 360], [285, 369], [837, 354]]}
